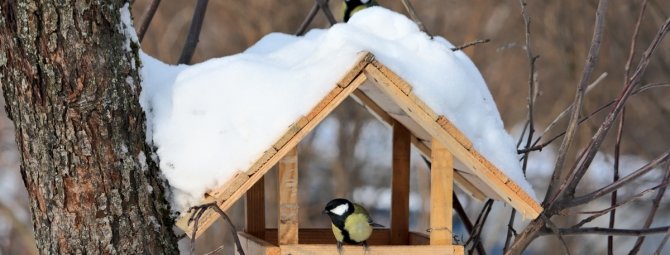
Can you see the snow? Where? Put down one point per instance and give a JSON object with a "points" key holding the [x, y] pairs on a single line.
{"points": [[214, 118]]}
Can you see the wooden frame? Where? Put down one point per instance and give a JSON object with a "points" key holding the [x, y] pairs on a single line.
{"points": [[392, 100]]}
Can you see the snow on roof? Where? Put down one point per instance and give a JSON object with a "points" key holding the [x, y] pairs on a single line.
{"points": [[211, 119]]}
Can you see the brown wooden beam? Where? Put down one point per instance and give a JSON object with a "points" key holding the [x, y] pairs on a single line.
{"points": [[400, 185], [255, 209], [288, 198]]}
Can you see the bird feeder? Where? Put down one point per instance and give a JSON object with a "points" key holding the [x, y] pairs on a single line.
{"points": [[390, 98]]}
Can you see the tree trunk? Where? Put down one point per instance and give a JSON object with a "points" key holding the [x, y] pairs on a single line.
{"points": [[71, 85]]}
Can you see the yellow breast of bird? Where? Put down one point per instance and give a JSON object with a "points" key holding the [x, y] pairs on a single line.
{"points": [[358, 227], [337, 233]]}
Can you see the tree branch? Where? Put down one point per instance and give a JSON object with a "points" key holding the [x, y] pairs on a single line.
{"points": [[308, 20], [607, 231], [193, 32], [616, 185], [652, 210], [146, 18], [592, 58], [412, 14], [323, 4]]}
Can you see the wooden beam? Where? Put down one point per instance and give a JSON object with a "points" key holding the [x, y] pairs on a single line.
{"points": [[325, 249], [288, 198], [441, 190], [386, 80], [380, 236], [400, 185], [317, 114], [256, 246], [255, 209]]}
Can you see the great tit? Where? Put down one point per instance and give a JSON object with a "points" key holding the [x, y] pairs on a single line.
{"points": [[352, 6], [350, 222]]}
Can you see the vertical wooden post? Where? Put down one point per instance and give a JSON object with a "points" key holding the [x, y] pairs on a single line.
{"points": [[400, 185], [288, 198], [441, 190], [255, 209]]}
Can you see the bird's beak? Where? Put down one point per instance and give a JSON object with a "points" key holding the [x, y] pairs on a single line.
{"points": [[324, 212]]}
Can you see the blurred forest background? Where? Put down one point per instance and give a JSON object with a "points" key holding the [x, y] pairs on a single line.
{"points": [[349, 154]]}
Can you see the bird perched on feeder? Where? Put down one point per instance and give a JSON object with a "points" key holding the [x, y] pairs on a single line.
{"points": [[351, 223], [352, 6]]}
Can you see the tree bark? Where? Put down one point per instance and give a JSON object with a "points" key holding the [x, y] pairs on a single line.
{"points": [[71, 86]]}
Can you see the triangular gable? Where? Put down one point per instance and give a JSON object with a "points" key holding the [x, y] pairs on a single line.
{"points": [[379, 89]]}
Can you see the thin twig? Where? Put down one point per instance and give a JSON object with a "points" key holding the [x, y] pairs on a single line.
{"points": [[591, 60], [323, 4], [479, 223], [308, 20], [458, 207], [193, 32], [633, 41], [510, 230], [473, 43], [412, 14], [615, 178], [597, 214], [147, 17], [660, 245], [616, 185], [198, 210], [652, 211], [556, 231], [608, 231]]}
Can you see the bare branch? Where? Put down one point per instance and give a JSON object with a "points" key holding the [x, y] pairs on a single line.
{"points": [[652, 211], [195, 217], [608, 231], [323, 4], [510, 230], [616, 185], [556, 231], [479, 223], [412, 14], [581, 167], [147, 17], [308, 20], [597, 214], [592, 58], [458, 207], [473, 43], [193, 32], [665, 240]]}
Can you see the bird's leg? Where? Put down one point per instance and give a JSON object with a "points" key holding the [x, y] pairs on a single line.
{"points": [[339, 247], [365, 246]]}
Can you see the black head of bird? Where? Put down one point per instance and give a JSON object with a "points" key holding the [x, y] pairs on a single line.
{"points": [[352, 6], [351, 223]]}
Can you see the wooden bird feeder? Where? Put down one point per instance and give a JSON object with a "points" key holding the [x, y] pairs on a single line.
{"points": [[391, 99]]}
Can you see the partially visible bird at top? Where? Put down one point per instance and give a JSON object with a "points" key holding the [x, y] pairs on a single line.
{"points": [[352, 6], [350, 222]]}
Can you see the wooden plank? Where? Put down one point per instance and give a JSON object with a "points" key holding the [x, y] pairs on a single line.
{"points": [[255, 209], [399, 83], [325, 249], [325, 236], [429, 111], [209, 217], [528, 207], [256, 246], [418, 239], [363, 60], [288, 198], [261, 161], [372, 107], [238, 179], [400, 185], [441, 188], [325, 102], [292, 130], [454, 131]]}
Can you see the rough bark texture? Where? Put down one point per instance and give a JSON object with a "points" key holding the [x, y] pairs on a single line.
{"points": [[72, 90]]}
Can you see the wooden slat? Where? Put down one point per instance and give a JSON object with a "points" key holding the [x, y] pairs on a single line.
{"points": [[292, 130], [372, 106], [238, 179], [209, 217], [418, 239], [321, 249], [261, 161], [255, 209], [288, 198], [256, 246], [455, 132], [441, 188], [400, 185], [325, 236], [528, 207]]}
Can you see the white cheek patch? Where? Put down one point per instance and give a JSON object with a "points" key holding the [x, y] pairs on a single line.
{"points": [[340, 209]]}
